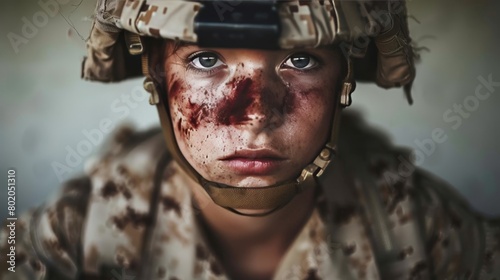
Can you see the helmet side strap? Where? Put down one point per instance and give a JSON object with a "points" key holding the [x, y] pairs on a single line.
{"points": [[165, 121], [348, 86], [342, 100]]}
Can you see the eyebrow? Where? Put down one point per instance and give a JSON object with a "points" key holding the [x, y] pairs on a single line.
{"points": [[179, 45]]}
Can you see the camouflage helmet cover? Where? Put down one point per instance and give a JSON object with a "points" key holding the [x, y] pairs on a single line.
{"points": [[374, 33]]}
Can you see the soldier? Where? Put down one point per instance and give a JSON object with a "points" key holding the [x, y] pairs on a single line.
{"points": [[250, 95]]}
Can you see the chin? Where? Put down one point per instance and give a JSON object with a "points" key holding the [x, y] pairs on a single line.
{"points": [[250, 182], [256, 182]]}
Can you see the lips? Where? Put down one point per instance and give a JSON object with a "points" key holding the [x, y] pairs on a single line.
{"points": [[259, 162]]}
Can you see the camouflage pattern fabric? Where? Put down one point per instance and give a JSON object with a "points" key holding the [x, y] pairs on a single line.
{"points": [[305, 23]]}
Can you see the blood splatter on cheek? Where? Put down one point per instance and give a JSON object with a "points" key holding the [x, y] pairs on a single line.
{"points": [[197, 112], [234, 109], [175, 97], [175, 90], [191, 118], [188, 114], [182, 128]]}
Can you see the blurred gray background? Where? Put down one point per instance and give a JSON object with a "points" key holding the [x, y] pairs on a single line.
{"points": [[45, 109]]}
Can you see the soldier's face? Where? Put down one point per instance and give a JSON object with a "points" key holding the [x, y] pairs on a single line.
{"points": [[251, 117]]}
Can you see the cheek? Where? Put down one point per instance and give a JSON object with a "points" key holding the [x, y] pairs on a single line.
{"points": [[311, 111], [186, 110], [309, 99]]}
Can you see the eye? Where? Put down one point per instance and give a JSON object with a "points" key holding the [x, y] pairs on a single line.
{"points": [[205, 61], [300, 62]]}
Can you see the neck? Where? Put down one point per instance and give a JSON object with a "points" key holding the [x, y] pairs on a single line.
{"points": [[253, 245]]}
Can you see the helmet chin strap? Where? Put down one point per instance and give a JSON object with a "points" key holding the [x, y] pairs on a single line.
{"points": [[268, 198]]}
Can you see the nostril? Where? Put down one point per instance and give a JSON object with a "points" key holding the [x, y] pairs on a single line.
{"points": [[268, 111], [265, 120]]}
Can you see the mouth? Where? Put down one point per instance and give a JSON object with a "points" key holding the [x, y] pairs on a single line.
{"points": [[259, 162]]}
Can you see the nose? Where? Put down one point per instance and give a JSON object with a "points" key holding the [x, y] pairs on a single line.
{"points": [[257, 100], [268, 110]]}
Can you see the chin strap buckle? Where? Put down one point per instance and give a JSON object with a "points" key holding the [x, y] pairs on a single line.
{"points": [[318, 166], [322, 161]]}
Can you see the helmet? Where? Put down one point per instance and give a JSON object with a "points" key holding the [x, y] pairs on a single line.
{"points": [[372, 35]]}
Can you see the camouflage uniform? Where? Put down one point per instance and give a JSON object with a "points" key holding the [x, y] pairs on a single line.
{"points": [[131, 217]]}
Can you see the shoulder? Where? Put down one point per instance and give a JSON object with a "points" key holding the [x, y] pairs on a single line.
{"points": [[457, 241], [366, 149], [460, 240], [107, 207], [124, 185]]}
